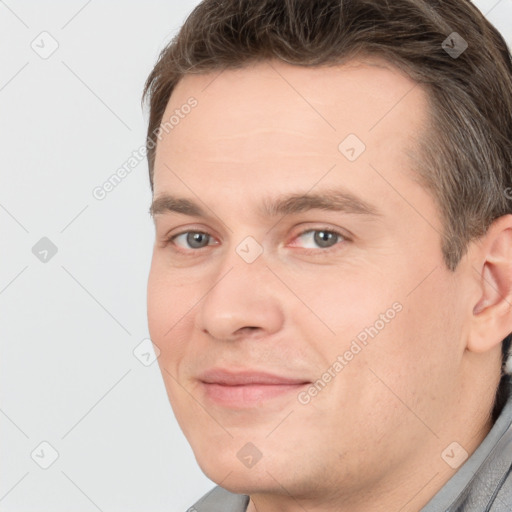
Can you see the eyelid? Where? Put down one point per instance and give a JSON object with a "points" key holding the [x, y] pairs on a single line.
{"points": [[323, 227], [187, 229]]}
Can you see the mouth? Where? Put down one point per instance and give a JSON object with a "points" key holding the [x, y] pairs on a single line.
{"points": [[248, 388]]}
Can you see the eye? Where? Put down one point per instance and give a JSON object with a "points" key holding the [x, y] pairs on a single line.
{"points": [[322, 238], [192, 239]]}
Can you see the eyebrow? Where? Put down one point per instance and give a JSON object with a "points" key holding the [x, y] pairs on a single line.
{"points": [[289, 204]]}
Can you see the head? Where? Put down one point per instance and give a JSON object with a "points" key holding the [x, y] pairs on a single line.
{"points": [[352, 179]]}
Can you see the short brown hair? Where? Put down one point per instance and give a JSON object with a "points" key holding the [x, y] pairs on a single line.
{"points": [[466, 152]]}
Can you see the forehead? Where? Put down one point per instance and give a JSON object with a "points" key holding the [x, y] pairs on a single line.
{"points": [[271, 121]]}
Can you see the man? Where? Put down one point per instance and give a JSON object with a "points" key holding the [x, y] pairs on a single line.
{"points": [[331, 282]]}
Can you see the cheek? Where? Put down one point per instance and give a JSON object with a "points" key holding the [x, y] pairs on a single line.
{"points": [[419, 352], [434, 317], [347, 301], [169, 331], [159, 303], [170, 294], [169, 310]]}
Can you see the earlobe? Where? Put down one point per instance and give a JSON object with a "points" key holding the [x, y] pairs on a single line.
{"points": [[492, 313]]}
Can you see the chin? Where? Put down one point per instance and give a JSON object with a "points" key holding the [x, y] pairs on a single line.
{"points": [[242, 481], [226, 467]]}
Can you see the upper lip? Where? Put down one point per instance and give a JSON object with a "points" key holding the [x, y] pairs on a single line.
{"points": [[246, 377]]}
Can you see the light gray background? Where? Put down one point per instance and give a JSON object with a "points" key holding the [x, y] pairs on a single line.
{"points": [[69, 325]]}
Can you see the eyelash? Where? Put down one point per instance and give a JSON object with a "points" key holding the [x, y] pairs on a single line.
{"points": [[170, 240]]}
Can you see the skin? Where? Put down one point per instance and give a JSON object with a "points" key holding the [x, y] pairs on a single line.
{"points": [[372, 439]]}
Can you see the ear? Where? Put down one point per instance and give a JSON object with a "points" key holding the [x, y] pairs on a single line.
{"points": [[492, 313]]}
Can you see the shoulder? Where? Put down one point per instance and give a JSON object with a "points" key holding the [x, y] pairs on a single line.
{"points": [[220, 500]]}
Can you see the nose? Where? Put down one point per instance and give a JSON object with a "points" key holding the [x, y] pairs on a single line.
{"points": [[243, 300]]}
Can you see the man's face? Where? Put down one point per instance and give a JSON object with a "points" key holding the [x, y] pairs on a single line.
{"points": [[350, 310]]}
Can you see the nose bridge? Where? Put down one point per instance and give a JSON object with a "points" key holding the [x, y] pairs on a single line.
{"points": [[242, 294], [244, 263]]}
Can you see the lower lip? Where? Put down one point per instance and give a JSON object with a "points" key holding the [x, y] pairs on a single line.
{"points": [[247, 395]]}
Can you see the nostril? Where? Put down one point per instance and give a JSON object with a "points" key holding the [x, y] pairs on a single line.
{"points": [[247, 328]]}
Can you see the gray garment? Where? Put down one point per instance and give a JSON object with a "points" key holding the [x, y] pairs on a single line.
{"points": [[482, 484], [220, 500]]}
